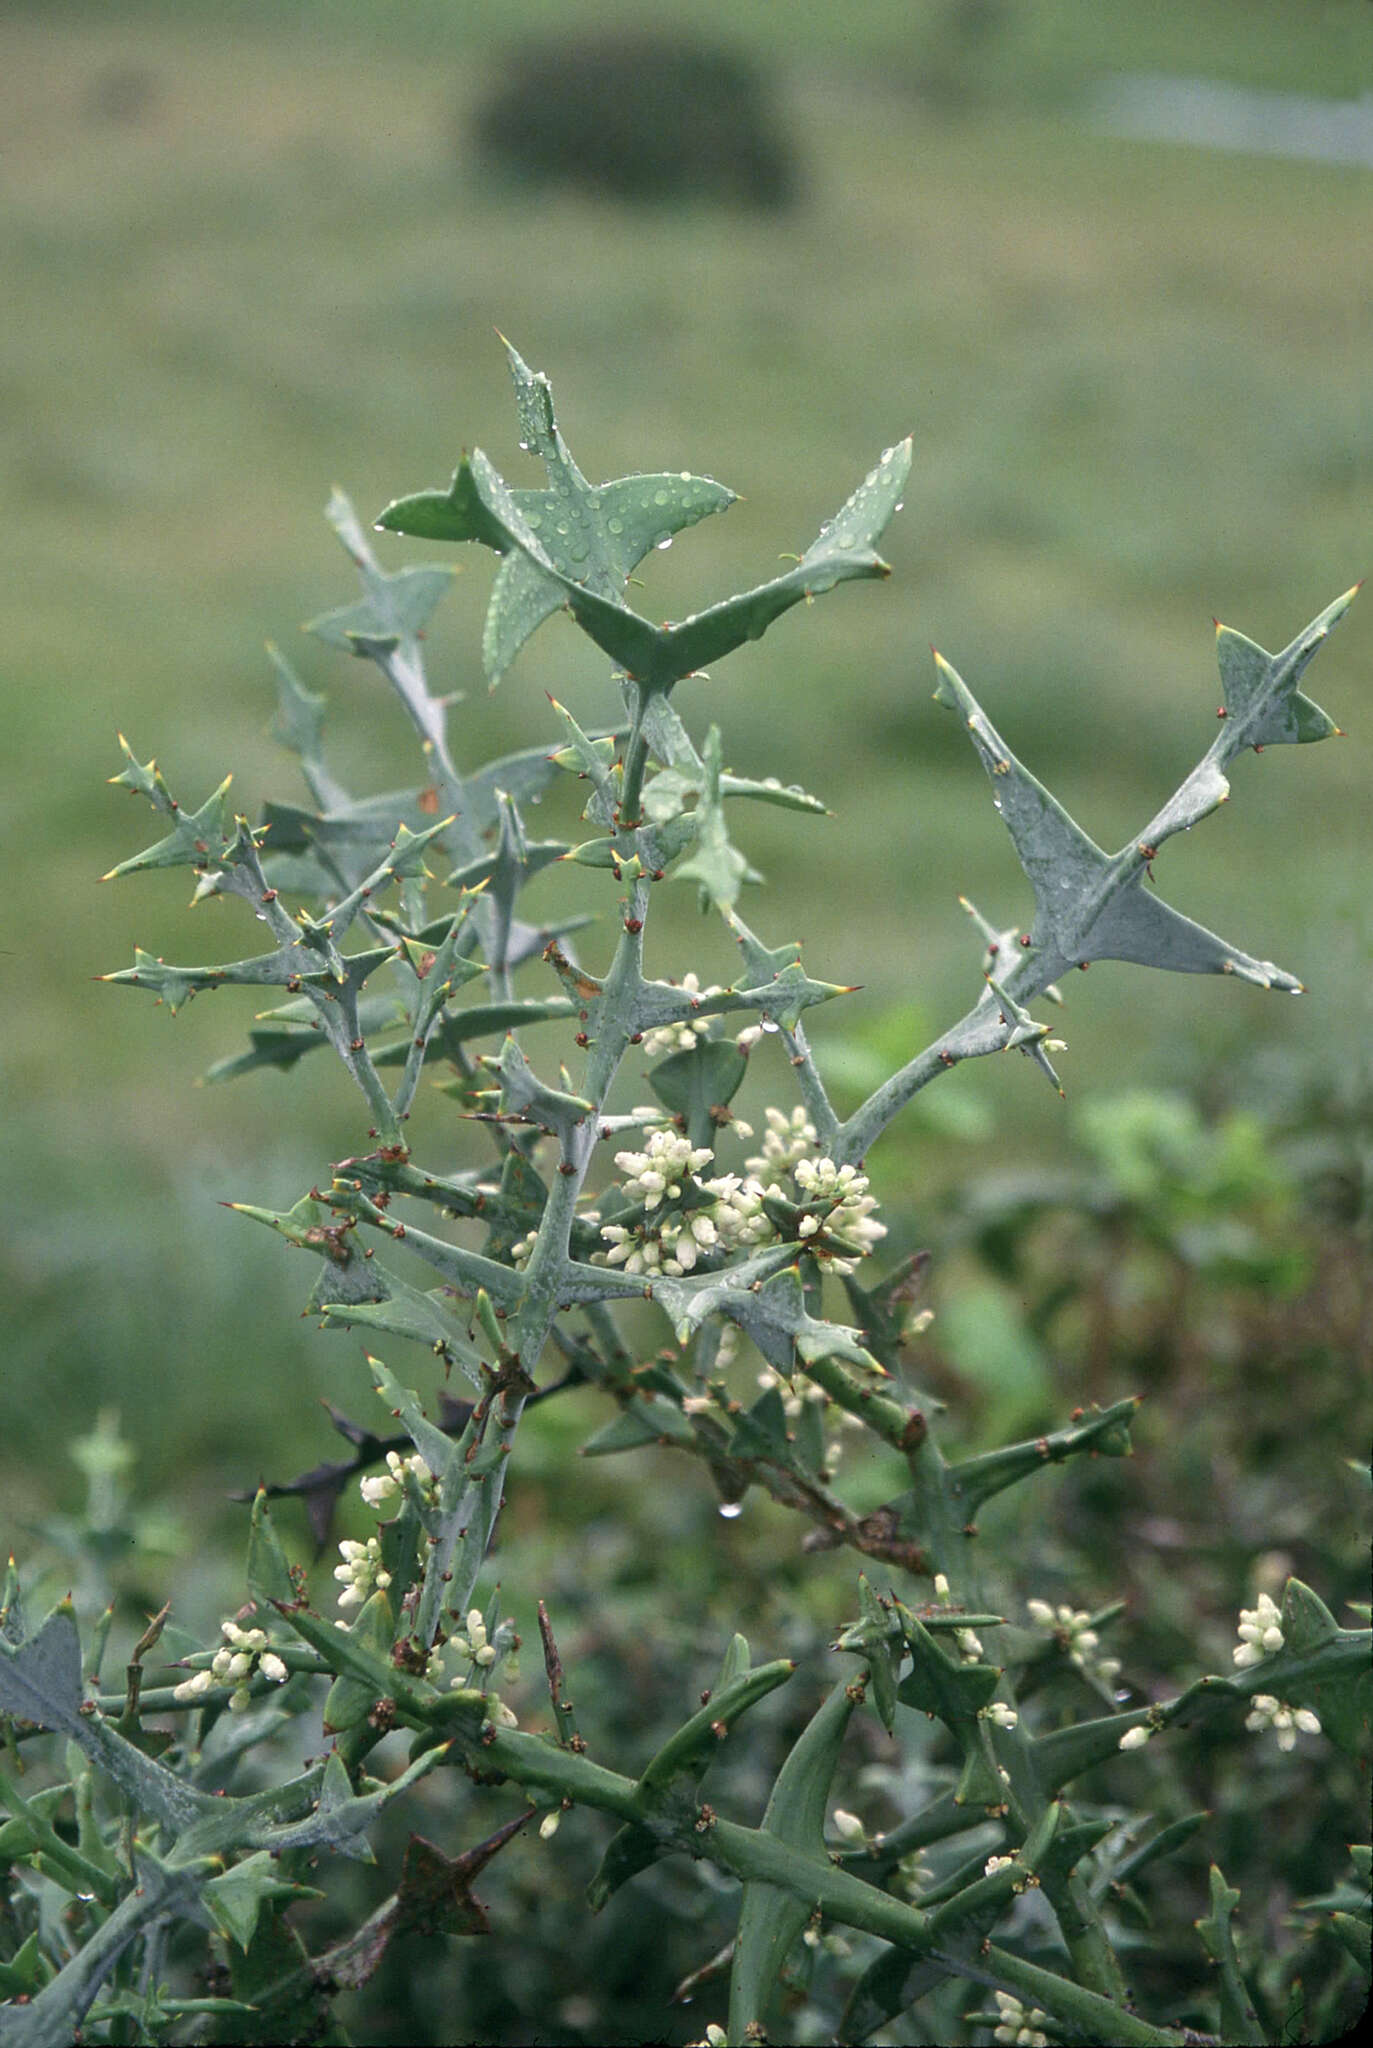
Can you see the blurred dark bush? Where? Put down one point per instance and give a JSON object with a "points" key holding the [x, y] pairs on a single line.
{"points": [[645, 117]]}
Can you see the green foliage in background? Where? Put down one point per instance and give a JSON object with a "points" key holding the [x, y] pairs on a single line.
{"points": [[161, 1877]]}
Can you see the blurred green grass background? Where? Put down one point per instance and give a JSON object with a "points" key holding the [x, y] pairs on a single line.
{"points": [[247, 257]]}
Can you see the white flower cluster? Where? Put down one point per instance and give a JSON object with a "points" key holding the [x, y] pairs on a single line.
{"points": [[361, 1572], [1260, 1633], [1268, 1712], [850, 1215], [474, 1644], [1020, 2026], [244, 1654], [1000, 1714], [378, 1491], [674, 1239], [789, 1146], [657, 1173], [786, 1140], [671, 1239], [1074, 1626], [684, 1036]]}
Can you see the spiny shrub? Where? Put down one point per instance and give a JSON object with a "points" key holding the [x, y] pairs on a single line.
{"points": [[663, 1253], [639, 116]]}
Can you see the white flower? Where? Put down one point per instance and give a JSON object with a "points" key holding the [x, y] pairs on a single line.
{"points": [[1073, 1628], [1260, 1632], [848, 1825], [1135, 1738], [1286, 1722], [241, 1657], [361, 1573], [1001, 1714], [548, 1826], [995, 1863]]}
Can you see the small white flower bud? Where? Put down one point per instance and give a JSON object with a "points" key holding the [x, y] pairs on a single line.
{"points": [[192, 1688], [848, 1825]]}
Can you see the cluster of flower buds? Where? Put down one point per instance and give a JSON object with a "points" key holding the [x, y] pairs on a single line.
{"points": [[845, 1190], [244, 1655], [671, 1239], [732, 1217], [1073, 1628], [383, 1488], [683, 1037], [1286, 1722], [787, 1140], [361, 1574], [1260, 1632], [1019, 2025], [474, 1644]]}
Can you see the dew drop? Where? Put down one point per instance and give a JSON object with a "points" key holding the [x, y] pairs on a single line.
{"points": [[615, 526], [731, 1509], [996, 803], [664, 542], [899, 506], [662, 498], [534, 519]]}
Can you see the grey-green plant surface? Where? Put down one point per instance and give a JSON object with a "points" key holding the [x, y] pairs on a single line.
{"points": [[641, 1248]]}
